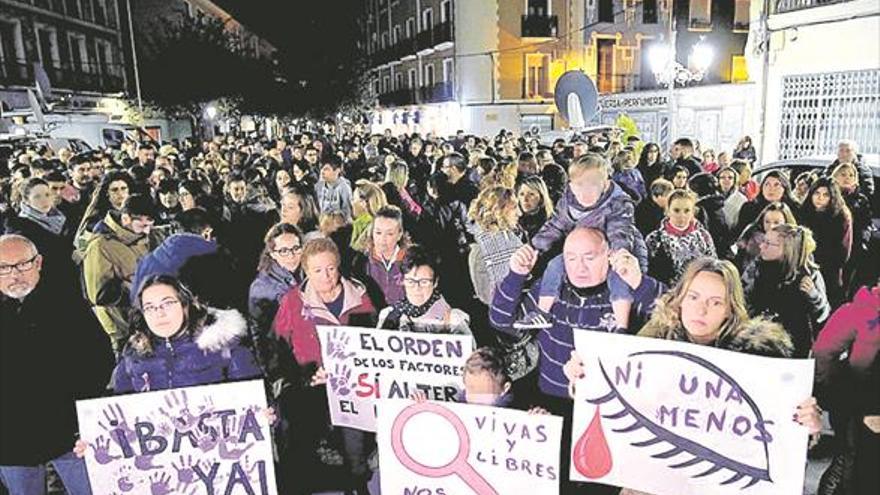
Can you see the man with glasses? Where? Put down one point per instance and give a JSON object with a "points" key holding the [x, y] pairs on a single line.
{"points": [[52, 353], [110, 261]]}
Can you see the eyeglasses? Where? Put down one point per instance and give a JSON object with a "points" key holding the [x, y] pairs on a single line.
{"points": [[162, 306], [771, 244], [24, 266], [288, 251], [423, 283]]}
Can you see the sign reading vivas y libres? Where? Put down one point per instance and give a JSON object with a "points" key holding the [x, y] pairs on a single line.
{"points": [[693, 419], [212, 439], [433, 448], [364, 365]]}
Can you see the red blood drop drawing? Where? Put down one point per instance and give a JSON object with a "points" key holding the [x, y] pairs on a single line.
{"points": [[592, 457]]}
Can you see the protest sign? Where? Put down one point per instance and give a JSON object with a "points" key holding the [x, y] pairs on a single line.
{"points": [[435, 448], [193, 441], [673, 418], [365, 364]]}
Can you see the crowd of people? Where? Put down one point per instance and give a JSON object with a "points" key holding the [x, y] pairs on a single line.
{"points": [[154, 267]]}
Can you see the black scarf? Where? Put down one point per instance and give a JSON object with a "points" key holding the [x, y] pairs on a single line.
{"points": [[411, 311]]}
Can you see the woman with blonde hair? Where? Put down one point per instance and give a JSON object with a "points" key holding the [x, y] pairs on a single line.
{"points": [[706, 307], [535, 204], [785, 285], [495, 214], [366, 199], [397, 194]]}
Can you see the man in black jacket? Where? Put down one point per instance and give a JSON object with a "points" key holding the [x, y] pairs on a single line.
{"points": [[52, 353]]}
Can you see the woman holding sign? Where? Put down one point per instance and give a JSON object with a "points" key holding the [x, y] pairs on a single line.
{"points": [[325, 298], [707, 307]]}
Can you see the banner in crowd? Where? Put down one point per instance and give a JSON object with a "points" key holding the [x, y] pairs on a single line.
{"points": [[673, 418], [193, 441], [459, 449], [365, 364]]}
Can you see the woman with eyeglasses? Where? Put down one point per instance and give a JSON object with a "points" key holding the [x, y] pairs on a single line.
{"points": [[423, 309], [785, 285], [278, 272]]}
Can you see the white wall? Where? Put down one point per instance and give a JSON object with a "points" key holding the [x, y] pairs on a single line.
{"points": [[796, 48], [476, 32]]}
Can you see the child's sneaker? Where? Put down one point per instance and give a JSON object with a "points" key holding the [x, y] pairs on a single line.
{"points": [[534, 320]]}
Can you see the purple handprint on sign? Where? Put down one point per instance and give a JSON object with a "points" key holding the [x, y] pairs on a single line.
{"points": [[234, 454], [159, 484], [337, 345], [179, 410], [340, 380], [102, 450], [123, 481], [114, 420], [207, 440], [145, 463], [186, 475]]}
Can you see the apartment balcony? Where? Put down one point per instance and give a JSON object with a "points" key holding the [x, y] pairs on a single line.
{"points": [[89, 77], [437, 93], [16, 73], [405, 96], [539, 26], [782, 6], [429, 38]]}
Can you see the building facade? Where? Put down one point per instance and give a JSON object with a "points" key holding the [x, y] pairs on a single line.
{"points": [[506, 56], [78, 43], [818, 63]]}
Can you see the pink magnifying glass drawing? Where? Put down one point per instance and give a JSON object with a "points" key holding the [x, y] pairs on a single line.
{"points": [[458, 466]]}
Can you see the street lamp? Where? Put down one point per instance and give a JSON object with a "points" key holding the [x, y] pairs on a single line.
{"points": [[211, 112], [668, 71]]}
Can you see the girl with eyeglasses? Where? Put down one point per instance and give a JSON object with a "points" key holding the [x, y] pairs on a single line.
{"points": [[278, 271]]}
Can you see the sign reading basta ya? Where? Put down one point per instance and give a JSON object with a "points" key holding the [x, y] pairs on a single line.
{"points": [[194, 441]]}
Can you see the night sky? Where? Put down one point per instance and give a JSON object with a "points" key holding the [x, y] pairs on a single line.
{"points": [[316, 39]]}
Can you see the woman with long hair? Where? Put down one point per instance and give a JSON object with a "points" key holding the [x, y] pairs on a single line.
{"points": [[298, 208], [366, 199], [278, 270], [774, 187], [861, 269], [535, 205], [379, 265], [728, 182], [495, 214], [397, 194], [40, 221], [110, 195], [826, 214], [785, 285], [748, 245], [650, 163]]}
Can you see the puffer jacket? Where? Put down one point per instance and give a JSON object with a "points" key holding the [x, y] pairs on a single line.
{"points": [[217, 352], [109, 266], [613, 214], [855, 329], [170, 256]]}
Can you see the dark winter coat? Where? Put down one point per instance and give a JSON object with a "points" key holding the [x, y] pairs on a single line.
{"points": [[750, 210], [169, 257], [710, 213], [800, 314], [531, 223], [581, 309], [834, 239], [56, 249], [266, 292], [613, 213], [648, 216], [866, 177], [217, 352], [52, 353]]}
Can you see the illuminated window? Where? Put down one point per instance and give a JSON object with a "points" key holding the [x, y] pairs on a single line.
{"points": [[741, 15], [739, 69], [701, 14], [537, 69]]}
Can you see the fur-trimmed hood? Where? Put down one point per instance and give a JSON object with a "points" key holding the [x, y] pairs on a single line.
{"points": [[222, 329], [761, 337]]}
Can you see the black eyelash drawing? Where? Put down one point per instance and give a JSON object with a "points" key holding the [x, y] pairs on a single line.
{"points": [[680, 445]]}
